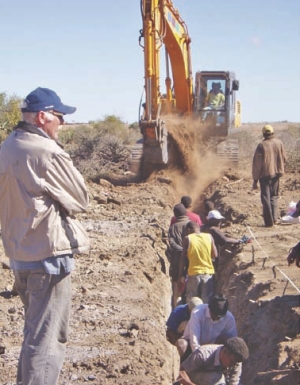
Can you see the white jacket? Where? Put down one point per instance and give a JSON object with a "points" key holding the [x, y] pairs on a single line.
{"points": [[40, 192]]}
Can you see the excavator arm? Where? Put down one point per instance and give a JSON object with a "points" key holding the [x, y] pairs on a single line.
{"points": [[163, 28]]}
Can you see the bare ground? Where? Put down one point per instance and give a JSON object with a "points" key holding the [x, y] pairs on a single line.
{"points": [[121, 291]]}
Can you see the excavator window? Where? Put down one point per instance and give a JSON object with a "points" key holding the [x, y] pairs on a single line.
{"points": [[212, 93]]}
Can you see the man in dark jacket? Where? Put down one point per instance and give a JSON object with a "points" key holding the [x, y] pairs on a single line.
{"points": [[268, 167], [176, 233], [213, 227]]}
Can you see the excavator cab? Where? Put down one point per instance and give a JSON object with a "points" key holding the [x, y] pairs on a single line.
{"points": [[215, 103]]}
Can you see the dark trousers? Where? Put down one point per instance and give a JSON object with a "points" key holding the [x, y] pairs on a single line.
{"points": [[269, 188]]}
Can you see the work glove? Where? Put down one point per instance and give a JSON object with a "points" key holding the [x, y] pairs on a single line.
{"points": [[245, 239]]}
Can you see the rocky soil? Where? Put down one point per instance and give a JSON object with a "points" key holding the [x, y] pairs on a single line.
{"points": [[121, 290]]}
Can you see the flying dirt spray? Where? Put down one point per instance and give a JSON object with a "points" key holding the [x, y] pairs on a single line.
{"points": [[193, 162]]}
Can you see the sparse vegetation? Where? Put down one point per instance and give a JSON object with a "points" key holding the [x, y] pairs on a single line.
{"points": [[100, 149], [9, 113], [250, 135]]}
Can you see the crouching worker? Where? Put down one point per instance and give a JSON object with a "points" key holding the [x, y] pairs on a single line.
{"points": [[208, 324], [179, 318], [294, 255], [214, 364]]}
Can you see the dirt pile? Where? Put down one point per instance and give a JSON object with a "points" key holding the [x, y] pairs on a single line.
{"points": [[121, 290]]}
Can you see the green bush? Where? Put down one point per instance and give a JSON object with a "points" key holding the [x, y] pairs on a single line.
{"points": [[9, 113], [66, 136]]}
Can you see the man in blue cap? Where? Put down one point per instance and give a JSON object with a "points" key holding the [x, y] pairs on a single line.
{"points": [[40, 193], [45, 106]]}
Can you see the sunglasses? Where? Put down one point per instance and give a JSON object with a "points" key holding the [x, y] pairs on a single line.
{"points": [[59, 115]]}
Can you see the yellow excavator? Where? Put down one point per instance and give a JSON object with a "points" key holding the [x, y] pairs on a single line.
{"points": [[210, 102]]}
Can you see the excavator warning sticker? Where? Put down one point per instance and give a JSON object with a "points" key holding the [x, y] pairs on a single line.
{"points": [[173, 22]]}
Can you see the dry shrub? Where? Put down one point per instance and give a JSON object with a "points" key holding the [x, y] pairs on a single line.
{"points": [[100, 156], [291, 140], [100, 149], [251, 135]]}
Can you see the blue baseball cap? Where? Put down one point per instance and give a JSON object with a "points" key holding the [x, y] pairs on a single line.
{"points": [[44, 99]]}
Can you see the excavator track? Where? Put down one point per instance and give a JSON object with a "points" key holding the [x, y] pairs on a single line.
{"points": [[229, 150], [135, 159]]}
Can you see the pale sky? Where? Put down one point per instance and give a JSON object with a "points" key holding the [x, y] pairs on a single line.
{"points": [[88, 52]]}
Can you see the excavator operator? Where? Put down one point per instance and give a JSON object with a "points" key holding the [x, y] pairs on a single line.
{"points": [[215, 99]]}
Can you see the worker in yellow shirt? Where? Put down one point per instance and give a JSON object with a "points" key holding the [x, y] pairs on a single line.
{"points": [[198, 253], [215, 99]]}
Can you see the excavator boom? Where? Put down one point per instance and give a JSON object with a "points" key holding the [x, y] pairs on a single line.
{"points": [[163, 27]]}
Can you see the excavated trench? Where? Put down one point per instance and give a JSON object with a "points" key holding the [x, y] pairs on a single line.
{"points": [[267, 326], [266, 309], [267, 315]]}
